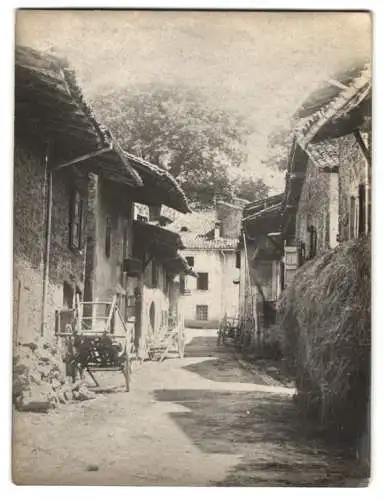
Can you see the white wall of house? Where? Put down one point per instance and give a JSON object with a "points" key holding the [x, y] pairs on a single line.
{"points": [[333, 209], [222, 295], [154, 296]]}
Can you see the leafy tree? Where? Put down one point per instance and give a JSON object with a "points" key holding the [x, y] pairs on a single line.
{"points": [[279, 143], [251, 189], [178, 129]]}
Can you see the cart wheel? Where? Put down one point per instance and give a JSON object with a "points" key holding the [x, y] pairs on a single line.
{"points": [[127, 373]]}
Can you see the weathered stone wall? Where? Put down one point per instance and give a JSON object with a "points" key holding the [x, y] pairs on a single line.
{"points": [[65, 264], [28, 242], [353, 172], [313, 209], [39, 373], [329, 211]]}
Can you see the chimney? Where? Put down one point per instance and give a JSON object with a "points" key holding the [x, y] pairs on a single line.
{"points": [[230, 217], [216, 231]]}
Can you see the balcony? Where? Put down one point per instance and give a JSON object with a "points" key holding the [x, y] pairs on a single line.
{"points": [[132, 267]]}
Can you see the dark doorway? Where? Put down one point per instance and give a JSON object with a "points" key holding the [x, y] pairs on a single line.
{"points": [[68, 295], [152, 316]]}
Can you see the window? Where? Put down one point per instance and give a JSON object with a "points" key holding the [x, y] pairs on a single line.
{"points": [[108, 237], [302, 254], [154, 274], [352, 217], [202, 281], [76, 221], [68, 294], [202, 313], [362, 210], [238, 260], [190, 260], [312, 241]]}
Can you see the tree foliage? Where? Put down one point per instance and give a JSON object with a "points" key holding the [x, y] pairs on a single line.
{"points": [[178, 129], [279, 143], [251, 189]]}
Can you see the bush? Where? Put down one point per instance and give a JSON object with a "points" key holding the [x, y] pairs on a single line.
{"points": [[325, 318]]}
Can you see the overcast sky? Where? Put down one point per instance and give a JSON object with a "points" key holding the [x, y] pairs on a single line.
{"points": [[260, 64]]}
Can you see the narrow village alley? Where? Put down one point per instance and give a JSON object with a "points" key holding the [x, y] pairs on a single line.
{"points": [[207, 419]]}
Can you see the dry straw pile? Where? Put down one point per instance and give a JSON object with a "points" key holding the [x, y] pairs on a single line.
{"points": [[325, 320]]}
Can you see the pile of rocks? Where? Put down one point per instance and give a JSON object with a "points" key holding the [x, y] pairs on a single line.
{"points": [[39, 383]]}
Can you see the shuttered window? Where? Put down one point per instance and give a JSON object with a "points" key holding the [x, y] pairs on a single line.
{"points": [[362, 210]]}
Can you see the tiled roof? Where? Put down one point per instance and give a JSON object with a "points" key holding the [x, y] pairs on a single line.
{"points": [[329, 91], [198, 243], [258, 206], [197, 223], [324, 154], [320, 119], [330, 109], [48, 101], [160, 187], [271, 210]]}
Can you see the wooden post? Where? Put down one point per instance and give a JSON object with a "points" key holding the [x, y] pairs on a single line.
{"points": [[18, 307], [47, 239], [138, 314], [91, 249]]}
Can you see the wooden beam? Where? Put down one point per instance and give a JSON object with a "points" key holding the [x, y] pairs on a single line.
{"points": [[362, 145], [338, 84], [297, 176], [82, 158]]}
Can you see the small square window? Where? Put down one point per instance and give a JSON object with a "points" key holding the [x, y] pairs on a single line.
{"points": [[202, 313], [202, 281]]}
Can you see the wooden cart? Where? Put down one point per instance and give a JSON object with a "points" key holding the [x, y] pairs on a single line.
{"points": [[97, 340], [229, 329], [170, 339]]}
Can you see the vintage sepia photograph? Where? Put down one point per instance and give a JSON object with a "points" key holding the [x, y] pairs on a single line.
{"points": [[192, 197]]}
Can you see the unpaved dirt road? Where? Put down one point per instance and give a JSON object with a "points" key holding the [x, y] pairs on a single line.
{"points": [[202, 420]]}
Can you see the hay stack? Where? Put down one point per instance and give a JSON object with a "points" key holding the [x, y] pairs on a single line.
{"points": [[325, 318]]}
